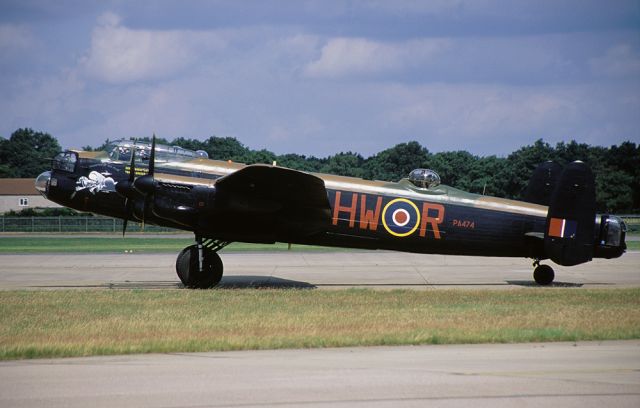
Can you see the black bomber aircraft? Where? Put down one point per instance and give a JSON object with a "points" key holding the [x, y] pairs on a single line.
{"points": [[223, 202]]}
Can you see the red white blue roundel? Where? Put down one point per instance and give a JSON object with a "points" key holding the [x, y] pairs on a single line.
{"points": [[400, 217]]}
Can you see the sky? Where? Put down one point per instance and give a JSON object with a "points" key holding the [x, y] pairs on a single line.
{"points": [[320, 77]]}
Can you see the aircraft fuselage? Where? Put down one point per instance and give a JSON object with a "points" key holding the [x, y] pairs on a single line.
{"points": [[364, 214]]}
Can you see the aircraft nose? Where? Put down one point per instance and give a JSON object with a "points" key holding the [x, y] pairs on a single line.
{"points": [[42, 182]]}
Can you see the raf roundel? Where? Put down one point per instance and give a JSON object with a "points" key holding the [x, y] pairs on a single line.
{"points": [[400, 217]]}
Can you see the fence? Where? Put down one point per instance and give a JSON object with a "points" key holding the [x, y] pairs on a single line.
{"points": [[73, 224]]}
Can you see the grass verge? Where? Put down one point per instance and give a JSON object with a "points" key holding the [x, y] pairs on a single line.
{"points": [[117, 244], [38, 324]]}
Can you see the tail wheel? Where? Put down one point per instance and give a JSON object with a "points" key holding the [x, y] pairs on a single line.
{"points": [[543, 275], [189, 272]]}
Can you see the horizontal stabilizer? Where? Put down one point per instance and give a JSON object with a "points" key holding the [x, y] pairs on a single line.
{"points": [[569, 233]]}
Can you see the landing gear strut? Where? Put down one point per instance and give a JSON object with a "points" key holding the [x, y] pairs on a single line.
{"points": [[543, 274], [199, 266]]}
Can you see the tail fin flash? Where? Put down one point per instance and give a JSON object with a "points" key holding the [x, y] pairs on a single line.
{"points": [[542, 183], [569, 234]]}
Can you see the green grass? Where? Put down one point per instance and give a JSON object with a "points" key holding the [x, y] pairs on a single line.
{"points": [[38, 324], [116, 244], [633, 245]]}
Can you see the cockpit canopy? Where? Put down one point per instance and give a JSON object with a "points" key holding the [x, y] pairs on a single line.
{"points": [[424, 178], [121, 150]]}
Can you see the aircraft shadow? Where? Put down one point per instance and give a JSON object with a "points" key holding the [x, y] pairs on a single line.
{"points": [[271, 282], [117, 285], [227, 282], [262, 282], [532, 284]]}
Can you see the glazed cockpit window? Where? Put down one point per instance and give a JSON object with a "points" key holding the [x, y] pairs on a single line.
{"points": [[121, 151], [65, 161]]}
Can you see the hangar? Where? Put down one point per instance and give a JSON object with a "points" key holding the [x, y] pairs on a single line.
{"points": [[19, 193]]}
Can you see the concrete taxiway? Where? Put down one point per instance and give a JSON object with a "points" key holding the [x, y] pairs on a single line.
{"points": [[536, 375], [326, 270]]}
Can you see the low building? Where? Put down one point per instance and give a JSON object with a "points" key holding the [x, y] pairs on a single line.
{"points": [[17, 194]]}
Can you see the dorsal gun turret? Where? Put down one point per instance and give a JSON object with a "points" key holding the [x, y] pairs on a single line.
{"points": [[424, 178]]}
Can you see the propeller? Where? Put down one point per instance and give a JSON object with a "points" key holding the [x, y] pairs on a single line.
{"points": [[128, 203], [125, 189], [144, 185]]}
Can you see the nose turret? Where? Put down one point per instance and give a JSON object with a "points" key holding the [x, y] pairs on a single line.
{"points": [[42, 183]]}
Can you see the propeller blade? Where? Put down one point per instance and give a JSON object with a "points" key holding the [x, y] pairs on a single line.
{"points": [[132, 165], [152, 164], [128, 212], [127, 202], [144, 209], [152, 157], [125, 187], [124, 224]]}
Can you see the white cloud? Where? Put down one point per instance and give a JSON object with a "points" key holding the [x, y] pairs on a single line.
{"points": [[267, 85], [490, 119], [300, 126], [122, 55], [523, 59], [342, 57], [485, 108], [15, 37], [621, 60], [109, 19]]}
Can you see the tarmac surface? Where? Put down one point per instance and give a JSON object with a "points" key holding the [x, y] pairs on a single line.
{"points": [[323, 270], [552, 374], [533, 375]]}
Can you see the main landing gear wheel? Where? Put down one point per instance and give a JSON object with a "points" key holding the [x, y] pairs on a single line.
{"points": [[543, 275], [187, 267]]}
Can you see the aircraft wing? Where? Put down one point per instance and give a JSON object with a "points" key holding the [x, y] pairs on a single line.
{"points": [[282, 186], [293, 197]]}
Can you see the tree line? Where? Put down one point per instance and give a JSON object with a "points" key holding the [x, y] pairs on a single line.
{"points": [[617, 168]]}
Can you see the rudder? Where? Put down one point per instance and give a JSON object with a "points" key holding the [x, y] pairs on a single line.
{"points": [[543, 183], [569, 233]]}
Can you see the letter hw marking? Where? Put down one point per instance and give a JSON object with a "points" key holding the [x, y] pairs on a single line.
{"points": [[350, 209]]}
